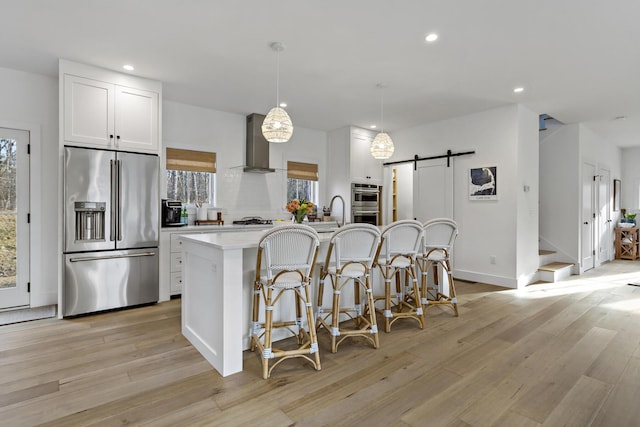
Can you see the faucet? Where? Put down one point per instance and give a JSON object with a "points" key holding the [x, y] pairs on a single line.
{"points": [[343, 207]]}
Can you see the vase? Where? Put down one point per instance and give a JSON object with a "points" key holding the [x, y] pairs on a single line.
{"points": [[299, 217]]}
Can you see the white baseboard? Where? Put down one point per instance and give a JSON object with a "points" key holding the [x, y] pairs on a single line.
{"points": [[26, 314], [472, 276]]}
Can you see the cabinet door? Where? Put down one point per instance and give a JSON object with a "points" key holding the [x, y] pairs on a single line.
{"points": [[136, 119], [364, 168], [88, 111]]}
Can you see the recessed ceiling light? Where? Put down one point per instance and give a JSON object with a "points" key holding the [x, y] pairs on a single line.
{"points": [[518, 89], [128, 67], [431, 37], [283, 104], [373, 127]]}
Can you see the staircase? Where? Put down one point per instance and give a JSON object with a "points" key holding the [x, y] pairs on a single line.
{"points": [[551, 271]]}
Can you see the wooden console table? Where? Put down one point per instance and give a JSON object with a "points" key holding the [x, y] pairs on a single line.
{"points": [[627, 243]]}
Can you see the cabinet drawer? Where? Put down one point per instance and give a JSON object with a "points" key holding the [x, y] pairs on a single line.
{"points": [[176, 243], [176, 283], [176, 261]]}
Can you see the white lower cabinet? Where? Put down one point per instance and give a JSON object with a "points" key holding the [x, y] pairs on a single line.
{"points": [[171, 263], [175, 286], [171, 256]]}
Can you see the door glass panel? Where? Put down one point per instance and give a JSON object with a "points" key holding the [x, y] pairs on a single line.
{"points": [[8, 154]]}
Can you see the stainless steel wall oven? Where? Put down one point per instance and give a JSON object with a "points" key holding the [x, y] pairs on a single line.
{"points": [[365, 203]]}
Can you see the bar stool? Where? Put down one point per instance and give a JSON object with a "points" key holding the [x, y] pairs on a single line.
{"points": [[289, 253], [400, 245], [350, 256], [439, 236]]}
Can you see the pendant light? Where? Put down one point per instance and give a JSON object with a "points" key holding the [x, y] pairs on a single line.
{"points": [[277, 125], [382, 146]]}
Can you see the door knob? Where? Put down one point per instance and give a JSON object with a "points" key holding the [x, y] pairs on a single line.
{"points": [[586, 223]]}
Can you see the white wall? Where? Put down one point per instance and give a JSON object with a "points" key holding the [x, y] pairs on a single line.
{"points": [[527, 190], [240, 193], [30, 101], [487, 228], [630, 180]]}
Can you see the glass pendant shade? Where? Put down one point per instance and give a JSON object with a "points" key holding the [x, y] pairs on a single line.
{"points": [[277, 126], [382, 146]]}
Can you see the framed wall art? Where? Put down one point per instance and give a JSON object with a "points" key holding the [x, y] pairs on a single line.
{"points": [[616, 194], [483, 183]]}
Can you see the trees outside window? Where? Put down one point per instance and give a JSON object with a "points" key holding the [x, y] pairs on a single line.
{"points": [[190, 187]]}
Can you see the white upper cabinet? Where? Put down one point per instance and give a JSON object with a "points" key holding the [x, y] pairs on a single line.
{"points": [[88, 111], [109, 111], [136, 119], [364, 168]]}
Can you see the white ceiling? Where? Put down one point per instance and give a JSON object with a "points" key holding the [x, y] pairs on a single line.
{"points": [[577, 59]]}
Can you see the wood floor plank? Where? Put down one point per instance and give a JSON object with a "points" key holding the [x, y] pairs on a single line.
{"points": [[491, 406], [552, 386], [513, 358], [580, 405], [621, 407]]}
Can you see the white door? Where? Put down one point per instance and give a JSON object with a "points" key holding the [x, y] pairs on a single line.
{"points": [[433, 190], [605, 245], [14, 218], [588, 218]]}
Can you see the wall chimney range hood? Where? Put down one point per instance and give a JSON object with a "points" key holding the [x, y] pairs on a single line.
{"points": [[257, 146]]}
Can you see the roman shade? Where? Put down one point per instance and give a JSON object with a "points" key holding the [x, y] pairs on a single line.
{"points": [[190, 160], [298, 170]]}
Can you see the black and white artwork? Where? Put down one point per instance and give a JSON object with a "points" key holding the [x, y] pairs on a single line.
{"points": [[483, 183]]}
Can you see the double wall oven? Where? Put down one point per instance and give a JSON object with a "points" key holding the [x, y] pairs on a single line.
{"points": [[365, 203]]}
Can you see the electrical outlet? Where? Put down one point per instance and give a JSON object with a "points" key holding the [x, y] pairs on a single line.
{"points": [[492, 259]]}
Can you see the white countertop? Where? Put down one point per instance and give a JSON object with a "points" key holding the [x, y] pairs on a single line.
{"points": [[213, 228], [318, 226], [236, 240]]}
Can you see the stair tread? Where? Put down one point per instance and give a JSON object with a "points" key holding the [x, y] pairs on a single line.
{"points": [[545, 252], [554, 266]]}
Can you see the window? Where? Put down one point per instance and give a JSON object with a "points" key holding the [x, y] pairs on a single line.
{"points": [[302, 181], [191, 176]]}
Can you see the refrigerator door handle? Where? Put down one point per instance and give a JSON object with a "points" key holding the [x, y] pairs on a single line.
{"points": [[112, 228], [98, 258], [119, 166]]}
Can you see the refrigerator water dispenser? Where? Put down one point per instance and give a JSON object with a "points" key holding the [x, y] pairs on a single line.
{"points": [[89, 221]]}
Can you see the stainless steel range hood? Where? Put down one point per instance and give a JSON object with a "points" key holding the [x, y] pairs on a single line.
{"points": [[257, 146]]}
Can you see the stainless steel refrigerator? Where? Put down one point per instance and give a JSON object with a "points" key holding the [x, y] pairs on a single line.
{"points": [[111, 229]]}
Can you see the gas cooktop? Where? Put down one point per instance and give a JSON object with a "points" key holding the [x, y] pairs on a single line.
{"points": [[253, 220]]}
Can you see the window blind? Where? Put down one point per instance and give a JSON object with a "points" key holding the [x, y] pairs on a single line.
{"points": [[298, 170], [190, 160]]}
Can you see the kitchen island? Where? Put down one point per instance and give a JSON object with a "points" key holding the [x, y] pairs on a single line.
{"points": [[219, 269]]}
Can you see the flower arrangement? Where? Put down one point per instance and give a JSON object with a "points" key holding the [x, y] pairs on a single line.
{"points": [[299, 208]]}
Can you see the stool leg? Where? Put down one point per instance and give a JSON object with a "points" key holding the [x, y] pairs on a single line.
{"points": [[312, 331], [357, 303], [299, 324], [372, 311], [399, 290], [268, 323], [387, 303], [320, 300], [255, 316], [452, 287], [335, 315], [416, 293]]}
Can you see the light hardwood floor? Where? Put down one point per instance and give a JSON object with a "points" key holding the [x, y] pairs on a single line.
{"points": [[553, 355]]}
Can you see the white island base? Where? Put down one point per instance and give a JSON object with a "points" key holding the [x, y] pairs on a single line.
{"points": [[219, 269]]}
